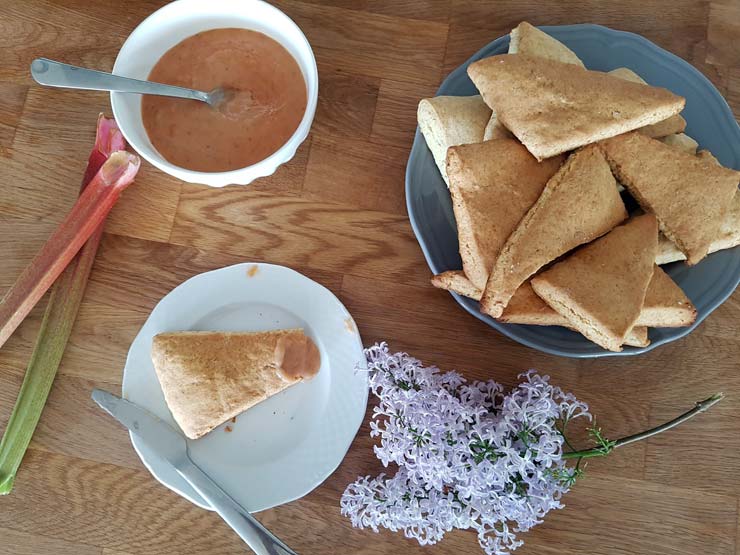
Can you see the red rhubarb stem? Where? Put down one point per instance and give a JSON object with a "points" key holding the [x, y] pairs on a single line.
{"points": [[56, 326], [86, 215], [108, 139]]}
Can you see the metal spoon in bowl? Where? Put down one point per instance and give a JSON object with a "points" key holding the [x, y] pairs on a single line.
{"points": [[56, 74]]}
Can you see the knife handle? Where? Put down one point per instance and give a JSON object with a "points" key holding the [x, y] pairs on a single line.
{"points": [[256, 536]]}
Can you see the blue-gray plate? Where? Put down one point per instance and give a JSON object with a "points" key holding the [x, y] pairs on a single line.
{"points": [[710, 122]]}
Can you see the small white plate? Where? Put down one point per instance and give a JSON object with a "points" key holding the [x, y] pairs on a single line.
{"points": [[286, 446]]}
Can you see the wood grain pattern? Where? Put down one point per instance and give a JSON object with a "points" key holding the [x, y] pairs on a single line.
{"points": [[733, 91], [295, 231], [373, 184], [395, 115], [145, 211], [687, 523], [346, 105], [432, 10], [723, 30], [19, 543], [337, 213], [12, 98], [371, 44], [55, 31]]}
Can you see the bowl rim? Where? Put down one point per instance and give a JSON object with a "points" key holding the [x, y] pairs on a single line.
{"points": [[730, 127], [241, 176]]}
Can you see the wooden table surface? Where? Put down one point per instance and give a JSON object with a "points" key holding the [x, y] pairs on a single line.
{"points": [[336, 213]]}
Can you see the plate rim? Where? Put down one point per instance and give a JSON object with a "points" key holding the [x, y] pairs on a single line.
{"points": [[508, 330], [151, 463]]}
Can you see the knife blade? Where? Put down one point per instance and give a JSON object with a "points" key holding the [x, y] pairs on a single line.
{"points": [[172, 446], [157, 434]]}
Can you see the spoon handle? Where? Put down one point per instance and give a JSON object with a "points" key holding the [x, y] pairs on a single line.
{"points": [[56, 74]]}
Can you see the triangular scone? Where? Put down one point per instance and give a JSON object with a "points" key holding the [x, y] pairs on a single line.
{"points": [[689, 195], [666, 305], [729, 233], [492, 185], [209, 377], [681, 141], [528, 39], [637, 337], [494, 129], [579, 203], [728, 237], [708, 156], [447, 121], [669, 126], [457, 282], [601, 287], [668, 251], [552, 107], [525, 306]]}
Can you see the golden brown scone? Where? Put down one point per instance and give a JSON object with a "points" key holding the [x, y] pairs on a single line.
{"points": [[728, 237], [729, 232], [601, 287], [209, 377], [637, 337], [492, 185], [457, 282], [689, 195], [627, 74], [528, 39], [708, 156], [669, 126], [681, 141], [494, 129], [552, 107], [447, 121], [525, 306], [579, 203], [666, 305], [668, 251]]}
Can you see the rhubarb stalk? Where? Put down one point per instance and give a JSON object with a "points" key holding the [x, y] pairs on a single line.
{"points": [[64, 301], [86, 215]]}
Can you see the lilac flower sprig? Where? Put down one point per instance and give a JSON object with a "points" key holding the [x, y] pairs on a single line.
{"points": [[468, 456]]}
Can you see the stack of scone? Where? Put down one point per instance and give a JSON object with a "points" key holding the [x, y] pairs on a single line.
{"points": [[535, 165]]}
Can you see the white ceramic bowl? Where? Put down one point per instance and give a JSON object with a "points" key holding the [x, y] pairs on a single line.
{"points": [[181, 19]]}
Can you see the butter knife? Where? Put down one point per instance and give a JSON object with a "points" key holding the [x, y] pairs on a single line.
{"points": [[172, 447]]}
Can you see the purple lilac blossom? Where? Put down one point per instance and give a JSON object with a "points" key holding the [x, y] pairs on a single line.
{"points": [[466, 455]]}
